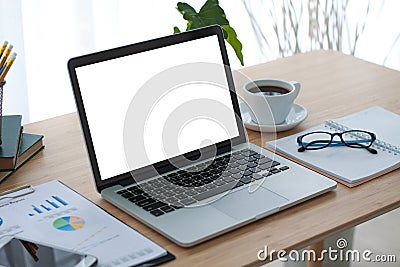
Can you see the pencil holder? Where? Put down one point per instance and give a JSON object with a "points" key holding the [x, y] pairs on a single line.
{"points": [[1, 108]]}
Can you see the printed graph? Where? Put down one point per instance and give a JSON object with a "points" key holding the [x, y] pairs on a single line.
{"points": [[54, 203], [69, 223]]}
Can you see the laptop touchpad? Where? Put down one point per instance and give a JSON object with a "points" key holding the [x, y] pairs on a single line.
{"points": [[244, 205]]}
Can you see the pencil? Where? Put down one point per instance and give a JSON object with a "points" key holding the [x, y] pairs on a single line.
{"points": [[2, 68], [8, 66], [3, 47], [6, 54], [31, 248]]}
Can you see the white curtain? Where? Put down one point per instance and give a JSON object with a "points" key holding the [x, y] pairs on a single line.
{"points": [[15, 95], [58, 30], [46, 33]]}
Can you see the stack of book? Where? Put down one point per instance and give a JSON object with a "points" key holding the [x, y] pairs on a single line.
{"points": [[16, 147]]}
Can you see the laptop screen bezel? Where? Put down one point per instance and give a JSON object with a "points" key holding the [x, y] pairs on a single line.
{"points": [[163, 166]]}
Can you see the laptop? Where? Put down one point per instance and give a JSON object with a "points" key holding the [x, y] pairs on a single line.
{"points": [[166, 143]]}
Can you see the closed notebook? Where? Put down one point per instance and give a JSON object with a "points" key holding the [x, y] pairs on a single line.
{"points": [[11, 133], [30, 145], [351, 166]]}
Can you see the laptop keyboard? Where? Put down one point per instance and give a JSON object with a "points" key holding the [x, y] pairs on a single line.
{"points": [[185, 187]]}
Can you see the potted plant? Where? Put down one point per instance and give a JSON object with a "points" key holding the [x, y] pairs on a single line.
{"points": [[210, 13]]}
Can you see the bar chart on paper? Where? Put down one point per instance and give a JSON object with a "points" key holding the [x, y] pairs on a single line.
{"points": [[55, 202], [59, 216]]}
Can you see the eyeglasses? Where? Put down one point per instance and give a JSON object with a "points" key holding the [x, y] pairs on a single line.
{"points": [[353, 139]]}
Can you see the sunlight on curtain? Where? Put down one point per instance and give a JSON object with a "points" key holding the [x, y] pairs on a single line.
{"points": [[365, 28], [48, 33], [15, 98], [58, 30]]}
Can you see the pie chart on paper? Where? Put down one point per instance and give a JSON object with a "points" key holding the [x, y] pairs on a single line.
{"points": [[69, 223]]}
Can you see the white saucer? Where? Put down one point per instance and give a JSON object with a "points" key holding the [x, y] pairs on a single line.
{"points": [[296, 115]]}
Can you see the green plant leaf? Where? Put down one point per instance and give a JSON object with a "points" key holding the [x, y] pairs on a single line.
{"points": [[190, 14], [210, 14], [176, 30], [232, 39]]}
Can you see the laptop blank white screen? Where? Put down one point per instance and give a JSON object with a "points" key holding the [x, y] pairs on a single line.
{"points": [[108, 87]]}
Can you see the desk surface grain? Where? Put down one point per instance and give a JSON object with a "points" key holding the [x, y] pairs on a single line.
{"points": [[333, 85]]}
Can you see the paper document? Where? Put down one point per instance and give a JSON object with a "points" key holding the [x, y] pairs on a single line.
{"points": [[57, 215]]}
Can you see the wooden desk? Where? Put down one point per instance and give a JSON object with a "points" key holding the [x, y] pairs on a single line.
{"points": [[333, 85]]}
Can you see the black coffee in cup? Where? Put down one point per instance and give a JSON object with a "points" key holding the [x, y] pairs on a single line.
{"points": [[269, 90]]}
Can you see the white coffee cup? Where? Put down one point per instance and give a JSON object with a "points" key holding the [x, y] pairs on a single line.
{"points": [[270, 100]]}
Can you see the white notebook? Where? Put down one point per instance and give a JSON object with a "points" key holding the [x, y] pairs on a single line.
{"points": [[351, 166]]}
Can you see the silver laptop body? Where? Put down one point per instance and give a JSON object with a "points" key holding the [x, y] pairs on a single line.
{"points": [[130, 125]]}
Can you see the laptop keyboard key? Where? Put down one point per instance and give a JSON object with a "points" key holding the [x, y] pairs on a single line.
{"points": [[122, 191], [159, 191], [157, 185], [284, 168], [258, 156], [187, 201], [208, 186], [252, 164], [238, 184], [242, 167], [209, 180], [257, 176], [195, 184], [229, 179], [181, 196], [274, 171], [168, 194], [252, 158], [190, 192], [207, 174], [167, 209], [233, 170], [137, 191], [157, 212], [137, 199], [219, 182], [154, 206], [200, 189], [127, 195], [145, 202], [242, 161], [179, 190], [171, 200], [246, 179], [169, 187], [247, 173], [264, 160], [215, 191], [275, 163], [264, 166]]}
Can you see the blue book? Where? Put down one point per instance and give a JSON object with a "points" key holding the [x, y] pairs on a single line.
{"points": [[30, 145], [10, 135]]}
